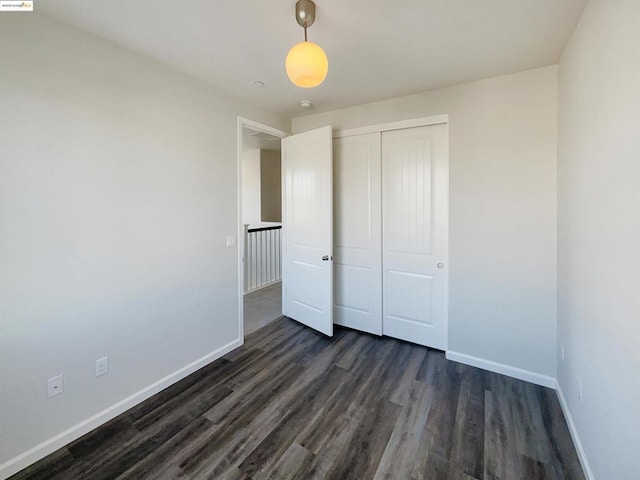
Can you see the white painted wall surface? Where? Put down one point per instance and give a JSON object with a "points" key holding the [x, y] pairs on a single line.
{"points": [[502, 210], [599, 235], [271, 186], [251, 206], [118, 186]]}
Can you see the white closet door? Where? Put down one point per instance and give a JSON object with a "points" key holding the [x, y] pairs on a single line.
{"points": [[357, 235], [415, 234], [307, 273]]}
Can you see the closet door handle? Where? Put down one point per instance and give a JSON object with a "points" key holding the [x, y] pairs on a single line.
{"points": [[325, 258], [440, 265]]}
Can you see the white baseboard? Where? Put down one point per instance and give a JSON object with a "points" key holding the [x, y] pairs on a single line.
{"points": [[539, 379], [40, 451], [515, 372], [582, 456]]}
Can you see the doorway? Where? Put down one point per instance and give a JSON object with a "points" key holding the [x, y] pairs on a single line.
{"points": [[260, 224]]}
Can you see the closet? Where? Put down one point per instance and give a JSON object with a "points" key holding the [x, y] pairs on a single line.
{"points": [[390, 233], [365, 230]]}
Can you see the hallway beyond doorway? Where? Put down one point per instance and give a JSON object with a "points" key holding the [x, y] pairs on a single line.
{"points": [[262, 307]]}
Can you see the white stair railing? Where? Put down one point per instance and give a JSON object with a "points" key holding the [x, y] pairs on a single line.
{"points": [[262, 262]]}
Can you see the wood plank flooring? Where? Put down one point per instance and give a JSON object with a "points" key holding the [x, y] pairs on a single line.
{"points": [[293, 404]]}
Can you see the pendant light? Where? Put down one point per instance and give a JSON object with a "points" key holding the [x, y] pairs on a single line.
{"points": [[306, 64]]}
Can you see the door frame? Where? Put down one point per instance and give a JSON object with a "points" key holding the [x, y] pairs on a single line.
{"points": [[401, 125], [259, 127]]}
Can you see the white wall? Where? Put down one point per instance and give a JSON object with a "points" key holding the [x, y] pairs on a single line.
{"points": [[271, 185], [251, 206], [502, 211], [599, 235], [118, 185]]}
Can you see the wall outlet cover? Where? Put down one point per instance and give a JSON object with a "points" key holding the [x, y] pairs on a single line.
{"points": [[102, 366], [579, 389], [55, 386]]}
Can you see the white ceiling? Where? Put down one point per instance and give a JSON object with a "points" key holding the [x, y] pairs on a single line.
{"points": [[377, 49]]}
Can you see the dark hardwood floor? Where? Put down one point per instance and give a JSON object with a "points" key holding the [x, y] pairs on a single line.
{"points": [[293, 404]]}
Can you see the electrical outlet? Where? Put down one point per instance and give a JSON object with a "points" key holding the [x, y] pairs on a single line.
{"points": [[579, 389], [102, 366], [55, 386], [231, 240], [562, 352]]}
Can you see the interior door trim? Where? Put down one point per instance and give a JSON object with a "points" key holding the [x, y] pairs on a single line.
{"points": [[385, 127], [259, 127]]}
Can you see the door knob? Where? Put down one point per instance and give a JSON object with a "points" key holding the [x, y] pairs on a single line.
{"points": [[325, 258], [441, 265]]}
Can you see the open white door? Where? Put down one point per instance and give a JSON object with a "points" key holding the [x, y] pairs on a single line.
{"points": [[307, 222]]}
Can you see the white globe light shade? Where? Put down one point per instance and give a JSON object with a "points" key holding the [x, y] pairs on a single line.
{"points": [[307, 65]]}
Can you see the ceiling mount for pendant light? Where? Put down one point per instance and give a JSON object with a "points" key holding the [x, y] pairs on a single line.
{"points": [[306, 64]]}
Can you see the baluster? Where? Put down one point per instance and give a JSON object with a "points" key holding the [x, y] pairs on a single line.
{"points": [[245, 253]]}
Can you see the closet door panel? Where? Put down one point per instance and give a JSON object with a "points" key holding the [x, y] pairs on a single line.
{"points": [[415, 231], [353, 287], [357, 233]]}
